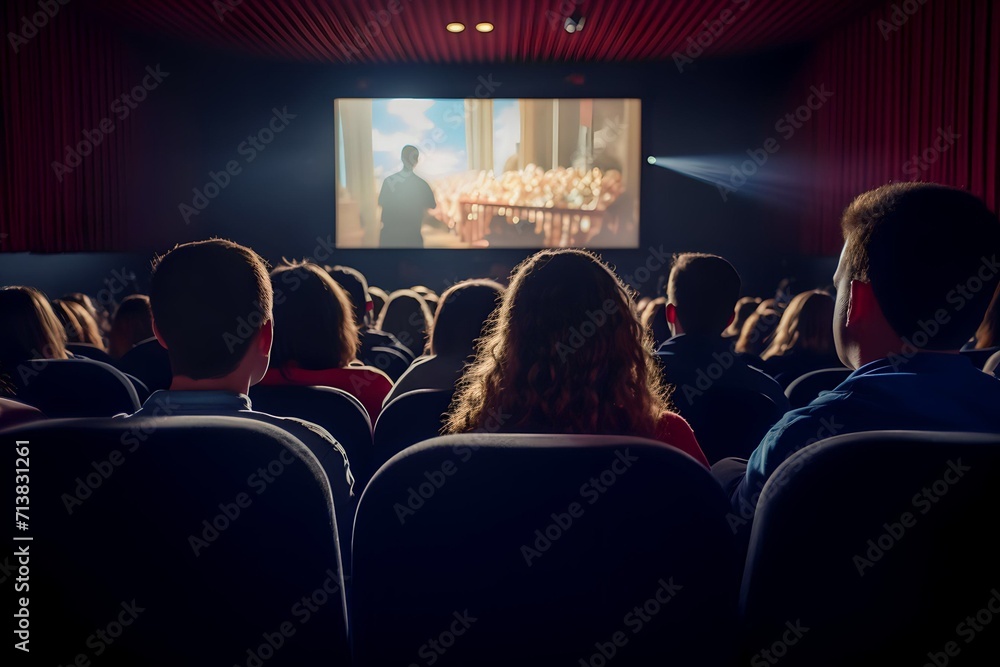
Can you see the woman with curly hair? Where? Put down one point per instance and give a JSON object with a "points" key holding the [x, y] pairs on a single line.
{"points": [[565, 353]]}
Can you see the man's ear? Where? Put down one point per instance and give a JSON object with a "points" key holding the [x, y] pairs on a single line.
{"points": [[159, 337], [671, 312], [266, 337], [861, 303]]}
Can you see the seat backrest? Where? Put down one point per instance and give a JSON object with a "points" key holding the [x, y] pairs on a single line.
{"points": [[337, 411], [806, 388], [486, 549], [221, 526], [880, 544], [730, 422], [90, 352], [992, 364], [149, 362], [409, 418], [389, 360], [74, 388]]}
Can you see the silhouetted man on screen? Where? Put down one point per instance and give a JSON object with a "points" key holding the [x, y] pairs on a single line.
{"points": [[404, 199]]}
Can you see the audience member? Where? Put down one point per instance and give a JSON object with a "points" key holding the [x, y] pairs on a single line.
{"points": [[407, 317], [916, 274], [535, 371], [316, 339], [79, 324], [131, 324], [98, 312], [379, 297], [988, 334], [461, 313], [803, 341], [757, 333], [744, 308], [30, 329], [13, 413], [701, 291], [212, 311], [356, 286]]}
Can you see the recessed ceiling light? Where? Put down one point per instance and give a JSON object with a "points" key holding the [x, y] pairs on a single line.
{"points": [[455, 27], [485, 26]]}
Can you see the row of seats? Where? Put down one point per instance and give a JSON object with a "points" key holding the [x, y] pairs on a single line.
{"points": [[219, 536]]}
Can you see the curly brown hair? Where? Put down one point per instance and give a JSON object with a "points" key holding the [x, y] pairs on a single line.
{"points": [[564, 352]]}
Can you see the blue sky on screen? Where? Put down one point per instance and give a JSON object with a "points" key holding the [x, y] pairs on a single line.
{"points": [[437, 128]]}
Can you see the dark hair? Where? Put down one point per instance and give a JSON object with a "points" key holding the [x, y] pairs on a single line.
{"points": [[407, 317], [564, 352], [379, 299], [313, 320], [408, 150], [462, 312], [356, 286], [703, 289], [29, 328], [132, 323], [210, 299], [925, 249]]}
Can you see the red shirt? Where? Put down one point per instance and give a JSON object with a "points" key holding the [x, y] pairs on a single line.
{"points": [[369, 385], [675, 431]]}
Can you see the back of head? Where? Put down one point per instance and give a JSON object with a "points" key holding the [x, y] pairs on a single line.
{"points": [[356, 285], [209, 299], [564, 352], [407, 317], [805, 326], [68, 319], [988, 333], [313, 319], [745, 307], [379, 298], [461, 314], [929, 253], [703, 288], [89, 330], [29, 328], [98, 312], [132, 323], [758, 331]]}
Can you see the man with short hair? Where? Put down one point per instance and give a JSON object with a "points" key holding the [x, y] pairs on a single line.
{"points": [[917, 271], [701, 292], [211, 303], [404, 198]]}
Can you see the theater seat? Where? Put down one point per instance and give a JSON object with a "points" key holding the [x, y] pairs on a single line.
{"points": [[389, 360], [487, 549], [805, 389], [335, 410], [992, 364], [731, 422], [149, 362], [89, 352], [882, 544], [182, 540], [407, 419], [979, 357], [74, 388]]}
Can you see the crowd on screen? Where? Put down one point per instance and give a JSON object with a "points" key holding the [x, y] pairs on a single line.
{"points": [[912, 320]]}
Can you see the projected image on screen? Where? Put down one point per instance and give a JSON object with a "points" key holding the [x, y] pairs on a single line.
{"points": [[487, 173]]}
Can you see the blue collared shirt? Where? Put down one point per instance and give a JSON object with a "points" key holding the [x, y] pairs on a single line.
{"points": [[927, 392]]}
